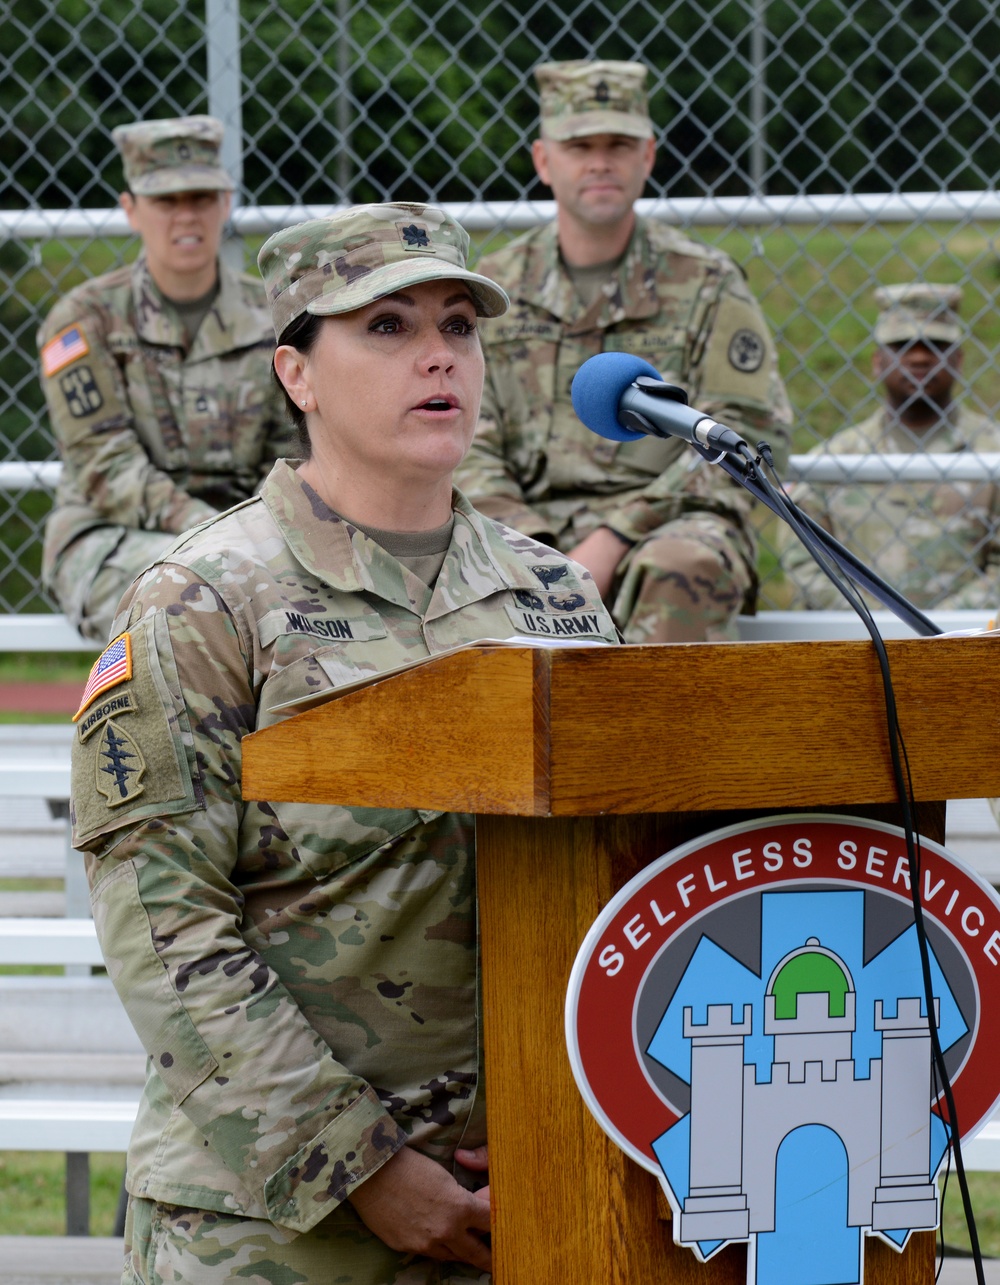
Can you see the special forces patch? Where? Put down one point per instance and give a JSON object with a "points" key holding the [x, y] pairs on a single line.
{"points": [[79, 387], [120, 766], [746, 351]]}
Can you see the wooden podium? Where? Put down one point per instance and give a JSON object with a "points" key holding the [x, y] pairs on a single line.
{"points": [[584, 764]]}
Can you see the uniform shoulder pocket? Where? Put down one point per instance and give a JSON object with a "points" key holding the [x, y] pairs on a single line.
{"points": [[738, 357], [129, 760]]}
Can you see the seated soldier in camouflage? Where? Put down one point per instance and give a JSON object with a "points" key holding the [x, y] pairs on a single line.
{"points": [[157, 379], [304, 977], [938, 543], [667, 537]]}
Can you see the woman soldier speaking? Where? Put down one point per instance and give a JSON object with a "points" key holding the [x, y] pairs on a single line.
{"points": [[303, 977]]}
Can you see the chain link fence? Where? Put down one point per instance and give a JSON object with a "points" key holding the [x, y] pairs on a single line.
{"points": [[828, 145]]}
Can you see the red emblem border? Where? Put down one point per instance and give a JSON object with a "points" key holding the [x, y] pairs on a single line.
{"points": [[685, 883]]}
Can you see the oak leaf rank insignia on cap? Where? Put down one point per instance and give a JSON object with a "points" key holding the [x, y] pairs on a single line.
{"points": [[415, 238], [330, 266]]}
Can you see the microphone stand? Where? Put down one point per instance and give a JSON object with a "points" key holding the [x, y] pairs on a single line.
{"points": [[744, 472], [745, 469]]}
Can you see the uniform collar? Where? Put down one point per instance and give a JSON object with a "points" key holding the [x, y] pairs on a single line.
{"points": [[479, 562], [948, 436], [546, 284], [230, 323]]}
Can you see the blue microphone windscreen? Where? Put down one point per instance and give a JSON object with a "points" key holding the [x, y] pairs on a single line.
{"points": [[597, 389]]}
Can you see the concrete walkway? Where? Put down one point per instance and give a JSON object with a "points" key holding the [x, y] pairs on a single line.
{"points": [[60, 1260], [961, 1271], [92, 1260]]}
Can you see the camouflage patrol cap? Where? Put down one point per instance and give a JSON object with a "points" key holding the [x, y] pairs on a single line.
{"points": [[580, 98], [180, 154], [918, 310], [329, 266]]}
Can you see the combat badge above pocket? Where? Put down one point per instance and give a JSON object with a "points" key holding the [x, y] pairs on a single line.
{"points": [[128, 762], [557, 615]]}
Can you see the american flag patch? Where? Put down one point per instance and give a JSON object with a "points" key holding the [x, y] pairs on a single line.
{"points": [[113, 666], [68, 345]]}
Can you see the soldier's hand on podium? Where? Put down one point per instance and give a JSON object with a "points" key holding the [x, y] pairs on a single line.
{"points": [[476, 1159], [417, 1207]]}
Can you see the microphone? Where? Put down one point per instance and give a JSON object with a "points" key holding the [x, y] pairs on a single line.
{"points": [[623, 397]]}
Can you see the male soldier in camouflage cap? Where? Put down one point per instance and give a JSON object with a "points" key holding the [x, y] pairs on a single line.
{"points": [[666, 536], [157, 378], [936, 542]]}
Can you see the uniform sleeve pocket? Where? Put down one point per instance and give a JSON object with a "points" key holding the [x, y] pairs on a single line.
{"points": [[182, 1058], [129, 760], [329, 838]]}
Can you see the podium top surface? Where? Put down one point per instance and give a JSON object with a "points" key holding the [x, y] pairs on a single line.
{"points": [[682, 727]]}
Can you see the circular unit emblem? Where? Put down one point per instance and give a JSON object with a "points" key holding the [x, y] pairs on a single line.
{"points": [[748, 1014], [746, 351]]}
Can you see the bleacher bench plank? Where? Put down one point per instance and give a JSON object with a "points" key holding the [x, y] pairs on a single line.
{"points": [[49, 941], [41, 631], [982, 1154], [35, 780], [820, 626], [48, 1124]]}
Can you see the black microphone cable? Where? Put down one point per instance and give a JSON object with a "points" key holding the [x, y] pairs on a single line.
{"points": [[782, 504], [833, 558]]}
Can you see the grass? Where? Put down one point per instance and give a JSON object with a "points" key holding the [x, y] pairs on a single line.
{"points": [[30, 885], [816, 286], [43, 667], [13, 718], [34, 1199], [34, 1192], [984, 1190]]}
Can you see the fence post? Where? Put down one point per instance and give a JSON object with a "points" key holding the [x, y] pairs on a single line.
{"points": [[225, 100], [344, 101], [758, 97]]}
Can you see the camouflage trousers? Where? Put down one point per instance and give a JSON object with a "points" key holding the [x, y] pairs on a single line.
{"points": [[169, 1245], [90, 575], [686, 582]]}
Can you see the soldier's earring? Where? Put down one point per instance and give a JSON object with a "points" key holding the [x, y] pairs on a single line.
{"points": [[305, 402]]}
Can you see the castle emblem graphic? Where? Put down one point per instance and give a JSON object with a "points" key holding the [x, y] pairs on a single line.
{"points": [[778, 1075]]}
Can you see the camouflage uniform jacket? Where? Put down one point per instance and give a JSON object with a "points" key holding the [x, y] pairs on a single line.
{"points": [[303, 978], [153, 435], [936, 542], [678, 304]]}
